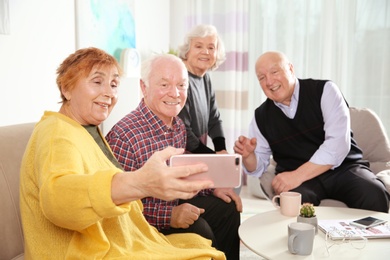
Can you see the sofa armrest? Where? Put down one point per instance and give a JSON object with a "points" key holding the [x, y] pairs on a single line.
{"points": [[384, 176]]}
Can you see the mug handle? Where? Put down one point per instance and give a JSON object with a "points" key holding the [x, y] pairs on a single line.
{"points": [[276, 205], [291, 244]]}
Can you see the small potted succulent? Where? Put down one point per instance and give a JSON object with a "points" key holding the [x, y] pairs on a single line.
{"points": [[307, 214]]}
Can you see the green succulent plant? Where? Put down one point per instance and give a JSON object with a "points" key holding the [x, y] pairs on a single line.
{"points": [[173, 51], [307, 210]]}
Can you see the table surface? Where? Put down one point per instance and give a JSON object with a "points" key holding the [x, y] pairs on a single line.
{"points": [[266, 235]]}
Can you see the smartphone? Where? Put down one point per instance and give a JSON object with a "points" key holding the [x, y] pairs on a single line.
{"points": [[367, 222], [224, 170]]}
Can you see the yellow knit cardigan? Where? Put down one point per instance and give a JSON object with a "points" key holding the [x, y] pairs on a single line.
{"points": [[66, 206]]}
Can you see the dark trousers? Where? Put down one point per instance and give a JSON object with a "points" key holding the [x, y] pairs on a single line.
{"points": [[219, 223], [354, 184]]}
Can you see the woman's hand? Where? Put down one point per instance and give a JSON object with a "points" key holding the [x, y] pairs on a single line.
{"points": [[157, 179]]}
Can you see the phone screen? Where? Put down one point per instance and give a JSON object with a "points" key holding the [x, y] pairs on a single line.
{"points": [[366, 221], [369, 221]]}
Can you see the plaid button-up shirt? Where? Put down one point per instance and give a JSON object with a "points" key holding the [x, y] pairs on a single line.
{"points": [[134, 139]]}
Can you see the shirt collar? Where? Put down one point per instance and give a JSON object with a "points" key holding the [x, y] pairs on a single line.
{"points": [[155, 121]]}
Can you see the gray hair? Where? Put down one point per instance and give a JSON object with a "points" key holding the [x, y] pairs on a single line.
{"points": [[203, 30], [146, 67]]}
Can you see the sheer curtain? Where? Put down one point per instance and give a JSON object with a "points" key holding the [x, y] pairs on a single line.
{"points": [[346, 41]]}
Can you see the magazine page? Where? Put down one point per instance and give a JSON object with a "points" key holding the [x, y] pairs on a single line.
{"points": [[339, 229]]}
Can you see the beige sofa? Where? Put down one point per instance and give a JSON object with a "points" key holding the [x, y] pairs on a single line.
{"points": [[13, 140]]}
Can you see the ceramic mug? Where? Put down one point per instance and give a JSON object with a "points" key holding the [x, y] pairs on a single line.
{"points": [[290, 203], [300, 238]]}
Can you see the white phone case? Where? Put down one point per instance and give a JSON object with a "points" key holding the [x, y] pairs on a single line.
{"points": [[225, 170], [367, 222]]}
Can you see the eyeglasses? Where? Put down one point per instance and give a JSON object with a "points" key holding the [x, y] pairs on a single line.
{"points": [[340, 237]]}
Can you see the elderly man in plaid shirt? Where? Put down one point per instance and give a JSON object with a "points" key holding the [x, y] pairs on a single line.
{"points": [[153, 126]]}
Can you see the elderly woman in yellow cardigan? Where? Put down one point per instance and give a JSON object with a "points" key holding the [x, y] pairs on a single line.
{"points": [[76, 201]]}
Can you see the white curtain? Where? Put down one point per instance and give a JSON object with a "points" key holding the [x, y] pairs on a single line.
{"points": [[346, 41], [4, 17]]}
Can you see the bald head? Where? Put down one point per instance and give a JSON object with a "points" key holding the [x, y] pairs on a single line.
{"points": [[272, 57]]}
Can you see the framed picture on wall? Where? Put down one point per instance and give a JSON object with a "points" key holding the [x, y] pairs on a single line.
{"points": [[4, 17], [108, 25]]}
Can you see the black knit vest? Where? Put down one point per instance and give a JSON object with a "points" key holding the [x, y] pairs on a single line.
{"points": [[294, 141]]}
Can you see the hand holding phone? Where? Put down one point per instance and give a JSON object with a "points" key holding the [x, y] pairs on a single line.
{"points": [[223, 169]]}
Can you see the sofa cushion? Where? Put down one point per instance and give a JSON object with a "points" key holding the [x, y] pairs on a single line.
{"points": [[384, 176], [18, 257], [10, 225], [371, 136], [13, 140]]}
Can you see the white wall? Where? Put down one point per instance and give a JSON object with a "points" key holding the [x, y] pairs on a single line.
{"points": [[42, 35], [152, 27]]}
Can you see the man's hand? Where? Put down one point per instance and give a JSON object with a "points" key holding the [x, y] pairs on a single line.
{"points": [[285, 181], [184, 215], [222, 152], [246, 148], [227, 195]]}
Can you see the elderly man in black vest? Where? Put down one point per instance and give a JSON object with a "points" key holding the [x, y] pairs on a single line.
{"points": [[304, 124]]}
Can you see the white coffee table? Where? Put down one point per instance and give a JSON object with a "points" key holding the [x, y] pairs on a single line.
{"points": [[266, 235]]}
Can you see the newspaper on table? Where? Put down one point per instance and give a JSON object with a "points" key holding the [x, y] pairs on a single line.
{"points": [[342, 229]]}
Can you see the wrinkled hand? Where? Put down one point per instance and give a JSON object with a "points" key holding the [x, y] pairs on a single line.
{"points": [[164, 182], [222, 152], [184, 215], [244, 146], [285, 181], [227, 195], [157, 179]]}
